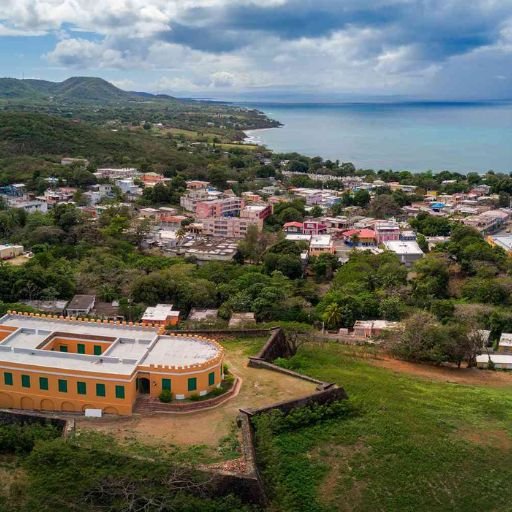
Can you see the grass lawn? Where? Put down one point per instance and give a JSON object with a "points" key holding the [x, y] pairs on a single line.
{"points": [[413, 444]]}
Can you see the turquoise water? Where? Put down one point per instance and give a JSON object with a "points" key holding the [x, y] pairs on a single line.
{"points": [[402, 136]]}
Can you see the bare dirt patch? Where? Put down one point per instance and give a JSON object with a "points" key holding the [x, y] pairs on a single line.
{"points": [[260, 387], [471, 376], [498, 439], [339, 462]]}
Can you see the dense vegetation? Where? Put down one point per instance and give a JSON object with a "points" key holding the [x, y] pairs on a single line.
{"points": [[90, 472], [410, 444]]}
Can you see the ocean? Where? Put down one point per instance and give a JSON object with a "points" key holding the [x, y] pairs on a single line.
{"points": [[418, 136]]}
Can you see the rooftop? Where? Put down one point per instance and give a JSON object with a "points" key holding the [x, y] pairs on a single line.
{"points": [[403, 247], [159, 313], [22, 337]]}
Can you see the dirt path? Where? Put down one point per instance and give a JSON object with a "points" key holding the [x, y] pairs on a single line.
{"points": [[471, 376], [260, 387]]}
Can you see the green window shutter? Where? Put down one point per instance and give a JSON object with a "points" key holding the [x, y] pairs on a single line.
{"points": [[100, 389], [97, 350], [119, 391], [8, 378], [63, 348], [80, 348], [43, 383], [166, 384], [192, 384], [211, 379], [63, 386], [25, 381], [81, 388]]}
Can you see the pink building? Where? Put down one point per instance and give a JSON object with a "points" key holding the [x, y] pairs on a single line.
{"points": [[227, 207], [314, 227], [256, 211], [229, 227], [385, 231], [293, 227]]}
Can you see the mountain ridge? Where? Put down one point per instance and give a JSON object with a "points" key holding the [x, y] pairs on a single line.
{"points": [[76, 89]]}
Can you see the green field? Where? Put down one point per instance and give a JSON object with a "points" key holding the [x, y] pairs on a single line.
{"points": [[412, 444]]}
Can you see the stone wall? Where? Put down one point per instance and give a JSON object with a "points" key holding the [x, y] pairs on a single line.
{"points": [[21, 418]]}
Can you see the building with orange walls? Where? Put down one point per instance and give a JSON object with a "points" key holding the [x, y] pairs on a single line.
{"points": [[59, 364]]}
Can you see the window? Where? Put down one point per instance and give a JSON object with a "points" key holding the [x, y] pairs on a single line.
{"points": [[192, 384], [8, 378], [80, 348], [63, 386], [100, 389], [63, 348], [43, 383], [97, 350], [81, 388], [211, 379], [166, 384], [119, 391], [25, 381]]}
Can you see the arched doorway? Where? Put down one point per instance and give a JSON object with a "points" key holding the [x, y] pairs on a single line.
{"points": [[143, 385], [27, 403]]}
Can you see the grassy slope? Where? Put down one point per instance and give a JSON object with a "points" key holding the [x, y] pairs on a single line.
{"points": [[417, 445]]}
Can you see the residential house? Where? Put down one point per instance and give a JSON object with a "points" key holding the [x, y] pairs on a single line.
{"points": [[81, 305], [386, 230], [161, 314], [360, 237], [321, 244], [407, 251]]}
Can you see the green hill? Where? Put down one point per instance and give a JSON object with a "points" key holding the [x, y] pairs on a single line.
{"points": [[74, 89], [36, 142]]}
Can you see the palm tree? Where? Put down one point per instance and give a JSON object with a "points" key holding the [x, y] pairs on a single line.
{"points": [[333, 314]]}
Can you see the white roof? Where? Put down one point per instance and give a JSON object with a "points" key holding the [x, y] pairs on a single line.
{"points": [[321, 241], [506, 340], [495, 358], [159, 313], [130, 346], [403, 247], [298, 237]]}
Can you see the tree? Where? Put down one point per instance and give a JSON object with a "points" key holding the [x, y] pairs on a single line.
{"points": [[361, 198], [333, 315], [383, 206], [316, 211]]}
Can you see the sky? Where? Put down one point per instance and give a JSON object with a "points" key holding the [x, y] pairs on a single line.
{"points": [[287, 50]]}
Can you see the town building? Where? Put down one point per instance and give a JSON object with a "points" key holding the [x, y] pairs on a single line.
{"points": [[161, 314], [81, 305], [505, 343], [225, 207], [117, 173], [371, 328], [54, 364], [206, 249], [293, 227], [359, 237], [407, 251], [321, 244], [256, 212], [489, 221], [150, 179], [203, 315], [386, 230], [503, 241], [314, 227], [8, 252], [241, 319], [229, 227]]}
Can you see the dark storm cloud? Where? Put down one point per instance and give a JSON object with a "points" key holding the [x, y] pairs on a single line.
{"points": [[438, 28]]}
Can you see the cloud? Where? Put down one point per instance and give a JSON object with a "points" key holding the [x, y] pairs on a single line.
{"points": [[380, 46]]}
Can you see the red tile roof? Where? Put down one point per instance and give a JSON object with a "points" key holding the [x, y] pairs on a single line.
{"points": [[293, 224]]}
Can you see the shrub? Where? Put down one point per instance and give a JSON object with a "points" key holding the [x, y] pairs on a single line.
{"points": [[225, 369], [195, 397], [216, 392], [20, 439], [165, 396], [229, 379]]}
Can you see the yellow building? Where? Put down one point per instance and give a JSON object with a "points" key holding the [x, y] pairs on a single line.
{"points": [[57, 364]]}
